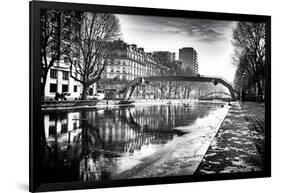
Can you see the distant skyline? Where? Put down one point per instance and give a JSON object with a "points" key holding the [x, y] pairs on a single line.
{"points": [[210, 38]]}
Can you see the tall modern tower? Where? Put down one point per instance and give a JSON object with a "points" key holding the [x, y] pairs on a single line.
{"points": [[188, 57]]}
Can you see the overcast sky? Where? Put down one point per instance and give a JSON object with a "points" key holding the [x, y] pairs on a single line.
{"points": [[211, 39]]}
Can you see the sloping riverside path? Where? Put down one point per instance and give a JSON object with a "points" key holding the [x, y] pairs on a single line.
{"points": [[233, 148]]}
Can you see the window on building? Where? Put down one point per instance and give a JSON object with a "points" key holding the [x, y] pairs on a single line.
{"points": [[75, 88], [124, 63], [65, 88], [91, 91], [65, 75], [52, 130], [75, 125], [63, 128], [53, 73], [53, 88], [65, 59], [124, 70]]}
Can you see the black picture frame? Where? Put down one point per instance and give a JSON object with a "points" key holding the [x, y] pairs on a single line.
{"points": [[35, 106]]}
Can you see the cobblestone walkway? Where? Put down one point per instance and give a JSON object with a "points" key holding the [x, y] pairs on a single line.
{"points": [[233, 148], [255, 114]]}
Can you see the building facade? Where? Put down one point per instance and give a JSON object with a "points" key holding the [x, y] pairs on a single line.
{"points": [[129, 63], [59, 81], [188, 57]]}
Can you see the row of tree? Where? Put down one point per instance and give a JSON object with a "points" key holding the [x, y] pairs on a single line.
{"points": [[174, 89], [178, 90], [196, 89], [249, 56], [81, 39]]}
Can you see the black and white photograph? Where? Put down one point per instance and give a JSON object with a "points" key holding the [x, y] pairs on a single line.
{"points": [[128, 96]]}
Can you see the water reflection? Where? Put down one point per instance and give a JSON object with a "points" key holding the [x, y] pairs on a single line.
{"points": [[92, 145]]}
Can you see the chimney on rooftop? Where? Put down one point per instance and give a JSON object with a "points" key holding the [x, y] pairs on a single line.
{"points": [[134, 46], [141, 50]]}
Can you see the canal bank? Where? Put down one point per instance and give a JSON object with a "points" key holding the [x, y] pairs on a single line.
{"points": [[234, 148], [99, 104]]}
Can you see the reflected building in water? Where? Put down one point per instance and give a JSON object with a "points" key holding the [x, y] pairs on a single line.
{"points": [[61, 126]]}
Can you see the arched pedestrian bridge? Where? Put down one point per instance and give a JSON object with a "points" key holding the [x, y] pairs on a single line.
{"points": [[129, 89], [212, 94]]}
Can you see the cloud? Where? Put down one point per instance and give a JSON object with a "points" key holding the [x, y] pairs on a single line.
{"points": [[211, 39], [198, 29]]}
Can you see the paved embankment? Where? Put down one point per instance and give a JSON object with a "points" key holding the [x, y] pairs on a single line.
{"points": [[92, 104], [255, 115], [97, 104], [233, 148]]}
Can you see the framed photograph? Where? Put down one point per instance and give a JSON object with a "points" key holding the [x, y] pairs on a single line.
{"points": [[126, 96]]}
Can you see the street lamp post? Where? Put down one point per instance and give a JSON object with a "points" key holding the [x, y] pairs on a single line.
{"points": [[242, 88]]}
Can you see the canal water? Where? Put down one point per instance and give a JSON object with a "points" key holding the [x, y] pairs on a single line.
{"points": [[102, 144]]}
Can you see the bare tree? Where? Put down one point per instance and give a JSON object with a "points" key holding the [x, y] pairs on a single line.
{"points": [[249, 41], [202, 88], [51, 36], [188, 87], [162, 71], [90, 49]]}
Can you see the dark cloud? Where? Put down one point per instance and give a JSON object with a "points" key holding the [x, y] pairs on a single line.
{"points": [[199, 29]]}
